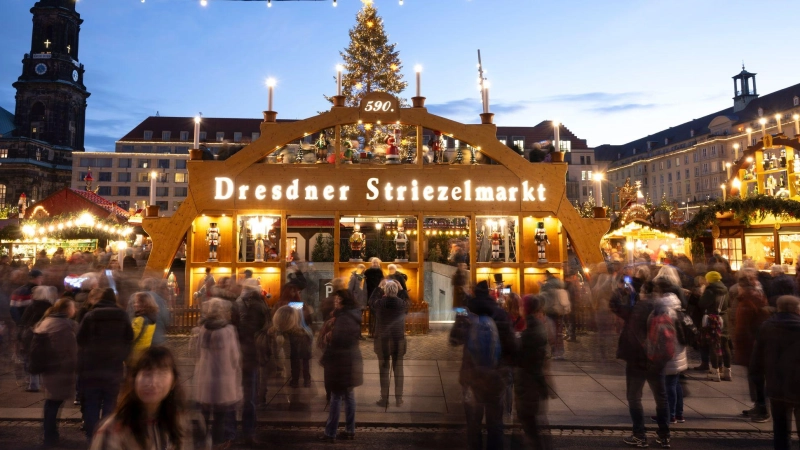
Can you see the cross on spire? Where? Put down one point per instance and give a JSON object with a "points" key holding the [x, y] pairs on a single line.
{"points": [[47, 43], [69, 48]]}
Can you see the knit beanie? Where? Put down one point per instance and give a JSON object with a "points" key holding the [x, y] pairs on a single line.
{"points": [[713, 277]]}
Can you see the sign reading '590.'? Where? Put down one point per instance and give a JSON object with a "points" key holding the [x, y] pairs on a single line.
{"points": [[379, 106]]}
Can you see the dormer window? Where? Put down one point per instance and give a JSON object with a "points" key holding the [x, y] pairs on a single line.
{"points": [[184, 135], [165, 135], [796, 101], [760, 112], [666, 141], [220, 136], [691, 133], [148, 135]]}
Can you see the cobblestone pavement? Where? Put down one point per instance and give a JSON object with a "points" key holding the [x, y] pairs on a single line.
{"points": [[27, 435]]}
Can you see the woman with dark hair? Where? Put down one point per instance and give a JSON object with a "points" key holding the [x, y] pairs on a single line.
{"points": [[151, 413], [343, 366], [59, 378]]}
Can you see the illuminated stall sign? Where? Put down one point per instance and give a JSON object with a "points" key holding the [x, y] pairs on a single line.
{"points": [[375, 189]]}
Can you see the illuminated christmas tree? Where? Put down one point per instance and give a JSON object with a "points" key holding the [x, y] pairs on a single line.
{"points": [[371, 65]]}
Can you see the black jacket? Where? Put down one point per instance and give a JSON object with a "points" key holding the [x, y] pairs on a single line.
{"points": [[776, 356], [483, 305], [34, 313], [634, 333], [530, 384], [344, 367], [252, 315], [390, 325], [372, 278], [716, 295], [781, 285], [104, 343]]}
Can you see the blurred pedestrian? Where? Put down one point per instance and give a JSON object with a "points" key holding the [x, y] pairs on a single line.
{"points": [[668, 303], [557, 306], [372, 278], [751, 312], [22, 297], [59, 377], [151, 413], [143, 324], [288, 323], [390, 340], [152, 287], [43, 299], [714, 332], [104, 338], [343, 366], [531, 374], [776, 357], [217, 374]]}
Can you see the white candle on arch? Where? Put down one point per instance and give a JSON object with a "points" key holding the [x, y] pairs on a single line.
{"points": [[271, 86], [418, 70], [197, 132], [339, 69]]}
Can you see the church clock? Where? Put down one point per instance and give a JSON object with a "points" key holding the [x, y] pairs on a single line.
{"points": [[41, 69]]}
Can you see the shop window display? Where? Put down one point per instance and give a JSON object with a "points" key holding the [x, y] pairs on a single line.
{"points": [[446, 240], [760, 247], [391, 239], [259, 238], [496, 239]]}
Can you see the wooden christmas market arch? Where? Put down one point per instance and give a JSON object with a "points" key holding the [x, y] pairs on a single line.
{"points": [[247, 184]]}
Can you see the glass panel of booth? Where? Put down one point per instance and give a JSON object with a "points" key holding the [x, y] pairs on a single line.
{"points": [[760, 247], [496, 239], [446, 250], [789, 238], [258, 238], [730, 249], [309, 263]]}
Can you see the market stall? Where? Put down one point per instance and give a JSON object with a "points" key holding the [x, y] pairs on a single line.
{"points": [[504, 216]]}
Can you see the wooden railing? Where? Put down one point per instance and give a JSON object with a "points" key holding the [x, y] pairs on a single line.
{"points": [[417, 320], [183, 319]]}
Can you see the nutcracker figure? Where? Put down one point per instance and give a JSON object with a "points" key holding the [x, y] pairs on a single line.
{"points": [[392, 151], [495, 245], [356, 244], [541, 242], [749, 173], [212, 239], [322, 148], [796, 163], [259, 248], [770, 185], [435, 145], [773, 161], [783, 158], [401, 244], [348, 151]]}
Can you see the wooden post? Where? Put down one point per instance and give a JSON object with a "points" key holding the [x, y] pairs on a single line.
{"points": [[337, 235], [282, 257], [520, 257], [473, 250], [420, 260], [188, 288]]}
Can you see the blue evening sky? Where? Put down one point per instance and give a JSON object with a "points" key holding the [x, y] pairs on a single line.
{"points": [[611, 70]]}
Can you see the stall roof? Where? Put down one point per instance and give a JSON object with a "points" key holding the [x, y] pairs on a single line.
{"points": [[638, 230], [73, 201]]}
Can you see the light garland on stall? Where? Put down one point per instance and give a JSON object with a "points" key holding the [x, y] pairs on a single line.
{"points": [[81, 222]]}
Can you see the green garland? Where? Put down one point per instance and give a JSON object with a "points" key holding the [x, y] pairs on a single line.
{"points": [[746, 210]]}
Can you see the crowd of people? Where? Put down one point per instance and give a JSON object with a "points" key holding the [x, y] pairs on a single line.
{"points": [[103, 348]]}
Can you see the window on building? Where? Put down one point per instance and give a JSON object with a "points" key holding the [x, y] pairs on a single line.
{"points": [[713, 150], [669, 164], [143, 163], [583, 160], [163, 164], [696, 186], [127, 149], [796, 101], [686, 159], [104, 176], [565, 145], [163, 205], [645, 181], [181, 150], [588, 160], [176, 205], [143, 191], [705, 168], [104, 190], [586, 175], [162, 192], [688, 188], [142, 177], [704, 153], [3, 153], [669, 177], [237, 136], [678, 161], [585, 191], [518, 141], [124, 177], [165, 135], [184, 135], [2, 195], [202, 135], [220, 136], [123, 190], [254, 137], [181, 177], [162, 177], [760, 112], [148, 135], [678, 187], [181, 191], [124, 163], [180, 164], [163, 150], [503, 139], [694, 157], [661, 177], [697, 171], [670, 190], [654, 167], [687, 174], [124, 204], [678, 175], [146, 149]]}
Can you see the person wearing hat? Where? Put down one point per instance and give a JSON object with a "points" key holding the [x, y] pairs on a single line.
{"points": [[714, 332], [23, 295]]}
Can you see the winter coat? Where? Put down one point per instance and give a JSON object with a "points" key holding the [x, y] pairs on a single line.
{"points": [[357, 289], [253, 315], [104, 341], [678, 292], [162, 319], [401, 280], [112, 435], [299, 340], [775, 356], [390, 326], [483, 305], [373, 277], [343, 365], [710, 304], [59, 381], [679, 362], [751, 312], [218, 374], [32, 315], [143, 329], [530, 384], [22, 296], [634, 332]]}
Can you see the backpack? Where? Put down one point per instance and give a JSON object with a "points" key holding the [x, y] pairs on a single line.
{"points": [[685, 329], [483, 348], [661, 339], [41, 357]]}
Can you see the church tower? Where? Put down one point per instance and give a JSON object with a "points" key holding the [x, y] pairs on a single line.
{"points": [[744, 89], [51, 97]]}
